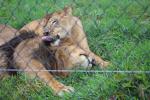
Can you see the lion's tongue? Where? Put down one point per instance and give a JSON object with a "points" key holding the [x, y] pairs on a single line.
{"points": [[47, 38]]}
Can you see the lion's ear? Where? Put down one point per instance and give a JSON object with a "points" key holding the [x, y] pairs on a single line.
{"points": [[68, 10]]}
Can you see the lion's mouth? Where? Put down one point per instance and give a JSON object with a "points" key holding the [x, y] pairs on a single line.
{"points": [[48, 40]]}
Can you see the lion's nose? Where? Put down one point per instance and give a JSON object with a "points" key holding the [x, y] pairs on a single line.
{"points": [[46, 33]]}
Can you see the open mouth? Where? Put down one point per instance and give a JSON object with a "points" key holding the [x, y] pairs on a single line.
{"points": [[47, 39]]}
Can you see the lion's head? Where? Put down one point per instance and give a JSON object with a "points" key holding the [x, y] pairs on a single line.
{"points": [[57, 26]]}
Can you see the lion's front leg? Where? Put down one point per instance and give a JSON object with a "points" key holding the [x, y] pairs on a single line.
{"points": [[98, 60], [34, 68], [58, 88]]}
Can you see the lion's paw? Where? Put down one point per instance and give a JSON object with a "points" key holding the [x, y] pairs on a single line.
{"points": [[104, 64], [64, 90]]}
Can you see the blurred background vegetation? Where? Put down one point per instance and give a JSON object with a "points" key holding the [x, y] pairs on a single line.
{"points": [[118, 30]]}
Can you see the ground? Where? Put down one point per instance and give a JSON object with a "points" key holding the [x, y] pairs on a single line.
{"points": [[118, 30]]}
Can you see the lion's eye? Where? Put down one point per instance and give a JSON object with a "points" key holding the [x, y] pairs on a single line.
{"points": [[55, 22]]}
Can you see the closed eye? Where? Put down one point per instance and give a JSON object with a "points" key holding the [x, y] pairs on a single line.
{"points": [[54, 22]]}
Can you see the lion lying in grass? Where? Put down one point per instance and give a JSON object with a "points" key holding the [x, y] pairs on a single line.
{"points": [[58, 42]]}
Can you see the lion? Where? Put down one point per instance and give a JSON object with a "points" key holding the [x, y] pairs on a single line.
{"points": [[69, 25], [37, 54], [65, 41], [59, 43], [34, 57]]}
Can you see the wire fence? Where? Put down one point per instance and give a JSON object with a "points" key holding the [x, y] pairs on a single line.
{"points": [[80, 71], [52, 40]]}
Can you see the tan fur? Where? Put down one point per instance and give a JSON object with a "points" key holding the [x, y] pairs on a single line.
{"points": [[6, 33]]}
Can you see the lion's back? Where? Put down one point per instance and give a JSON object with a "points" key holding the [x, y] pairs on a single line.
{"points": [[6, 33]]}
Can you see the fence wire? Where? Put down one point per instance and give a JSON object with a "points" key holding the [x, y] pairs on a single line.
{"points": [[117, 31], [80, 71]]}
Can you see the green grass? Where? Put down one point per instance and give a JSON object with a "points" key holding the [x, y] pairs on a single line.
{"points": [[118, 30]]}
